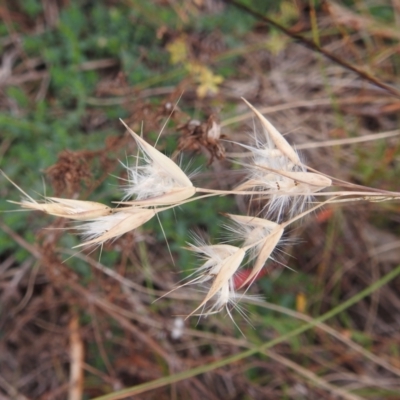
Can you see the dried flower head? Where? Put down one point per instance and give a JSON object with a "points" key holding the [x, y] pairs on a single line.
{"points": [[206, 135]]}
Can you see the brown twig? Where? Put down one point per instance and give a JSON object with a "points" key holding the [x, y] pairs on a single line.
{"points": [[315, 47]]}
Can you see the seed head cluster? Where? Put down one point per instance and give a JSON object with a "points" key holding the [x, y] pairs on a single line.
{"points": [[155, 183]]}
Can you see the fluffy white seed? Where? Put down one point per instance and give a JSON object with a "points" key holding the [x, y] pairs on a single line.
{"points": [[159, 181], [227, 269], [112, 226]]}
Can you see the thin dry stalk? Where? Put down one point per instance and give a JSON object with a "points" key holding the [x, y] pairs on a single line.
{"points": [[77, 359]]}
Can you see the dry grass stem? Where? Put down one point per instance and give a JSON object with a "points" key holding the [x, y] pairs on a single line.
{"points": [[77, 359]]}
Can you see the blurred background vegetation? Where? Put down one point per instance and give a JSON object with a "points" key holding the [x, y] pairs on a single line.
{"points": [[70, 69]]}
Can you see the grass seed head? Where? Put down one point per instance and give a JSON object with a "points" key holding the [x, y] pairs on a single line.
{"points": [[280, 142], [265, 250], [251, 231], [67, 208], [101, 229], [227, 269], [214, 256], [277, 172], [158, 181]]}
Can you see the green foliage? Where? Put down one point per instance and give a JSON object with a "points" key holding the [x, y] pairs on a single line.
{"points": [[383, 12], [31, 7], [19, 96]]}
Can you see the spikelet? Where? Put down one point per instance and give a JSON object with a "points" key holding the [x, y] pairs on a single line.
{"points": [[101, 229], [260, 236], [250, 230], [278, 173], [221, 261], [214, 256], [159, 181], [67, 208], [280, 142], [268, 245], [226, 270]]}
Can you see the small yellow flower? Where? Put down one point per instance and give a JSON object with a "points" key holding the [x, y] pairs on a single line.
{"points": [[301, 302], [207, 81], [178, 50]]}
